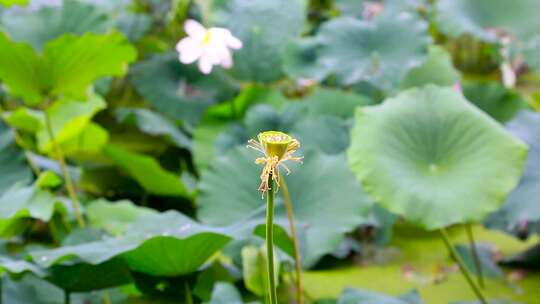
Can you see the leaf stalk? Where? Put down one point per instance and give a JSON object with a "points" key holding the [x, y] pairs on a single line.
{"points": [[462, 268]]}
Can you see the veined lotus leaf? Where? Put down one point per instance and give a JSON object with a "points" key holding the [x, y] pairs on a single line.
{"points": [[167, 244], [326, 199], [432, 157], [379, 51], [67, 66]]}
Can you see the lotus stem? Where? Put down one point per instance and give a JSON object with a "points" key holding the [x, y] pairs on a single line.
{"points": [[67, 297], [189, 296], [270, 241], [294, 236], [476, 257], [65, 172], [462, 267]]}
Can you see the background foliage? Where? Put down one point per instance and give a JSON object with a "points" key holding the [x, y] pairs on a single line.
{"points": [[412, 114]]}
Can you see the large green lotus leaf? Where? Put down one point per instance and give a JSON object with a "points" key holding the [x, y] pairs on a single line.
{"points": [[12, 161], [379, 51], [68, 120], [265, 28], [456, 17], [154, 124], [21, 70], [521, 210], [13, 2], [355, 296], [67, 67], [75, 62], [168, 244], [436, 69], [115, 217], [147, 172], [39, 26], [176, 90], [491, 97], [432, 157], [324, 212]]}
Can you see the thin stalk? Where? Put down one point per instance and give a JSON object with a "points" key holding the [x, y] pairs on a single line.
{"points": [[461, 265], [270, 242], [292, 227], [65, 172], [106, 298], [31, 163], [474, 251], [67, 297], [189, 297]]}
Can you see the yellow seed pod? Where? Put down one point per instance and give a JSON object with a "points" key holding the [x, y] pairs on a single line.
{"points": [[275, 143]]}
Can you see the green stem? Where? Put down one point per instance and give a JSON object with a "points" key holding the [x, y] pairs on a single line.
{"points": [[474, 251], [461, 265], [270, 242], [189, 297], [106, 298], [67, 297], [65, 172], [292, 227]]}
